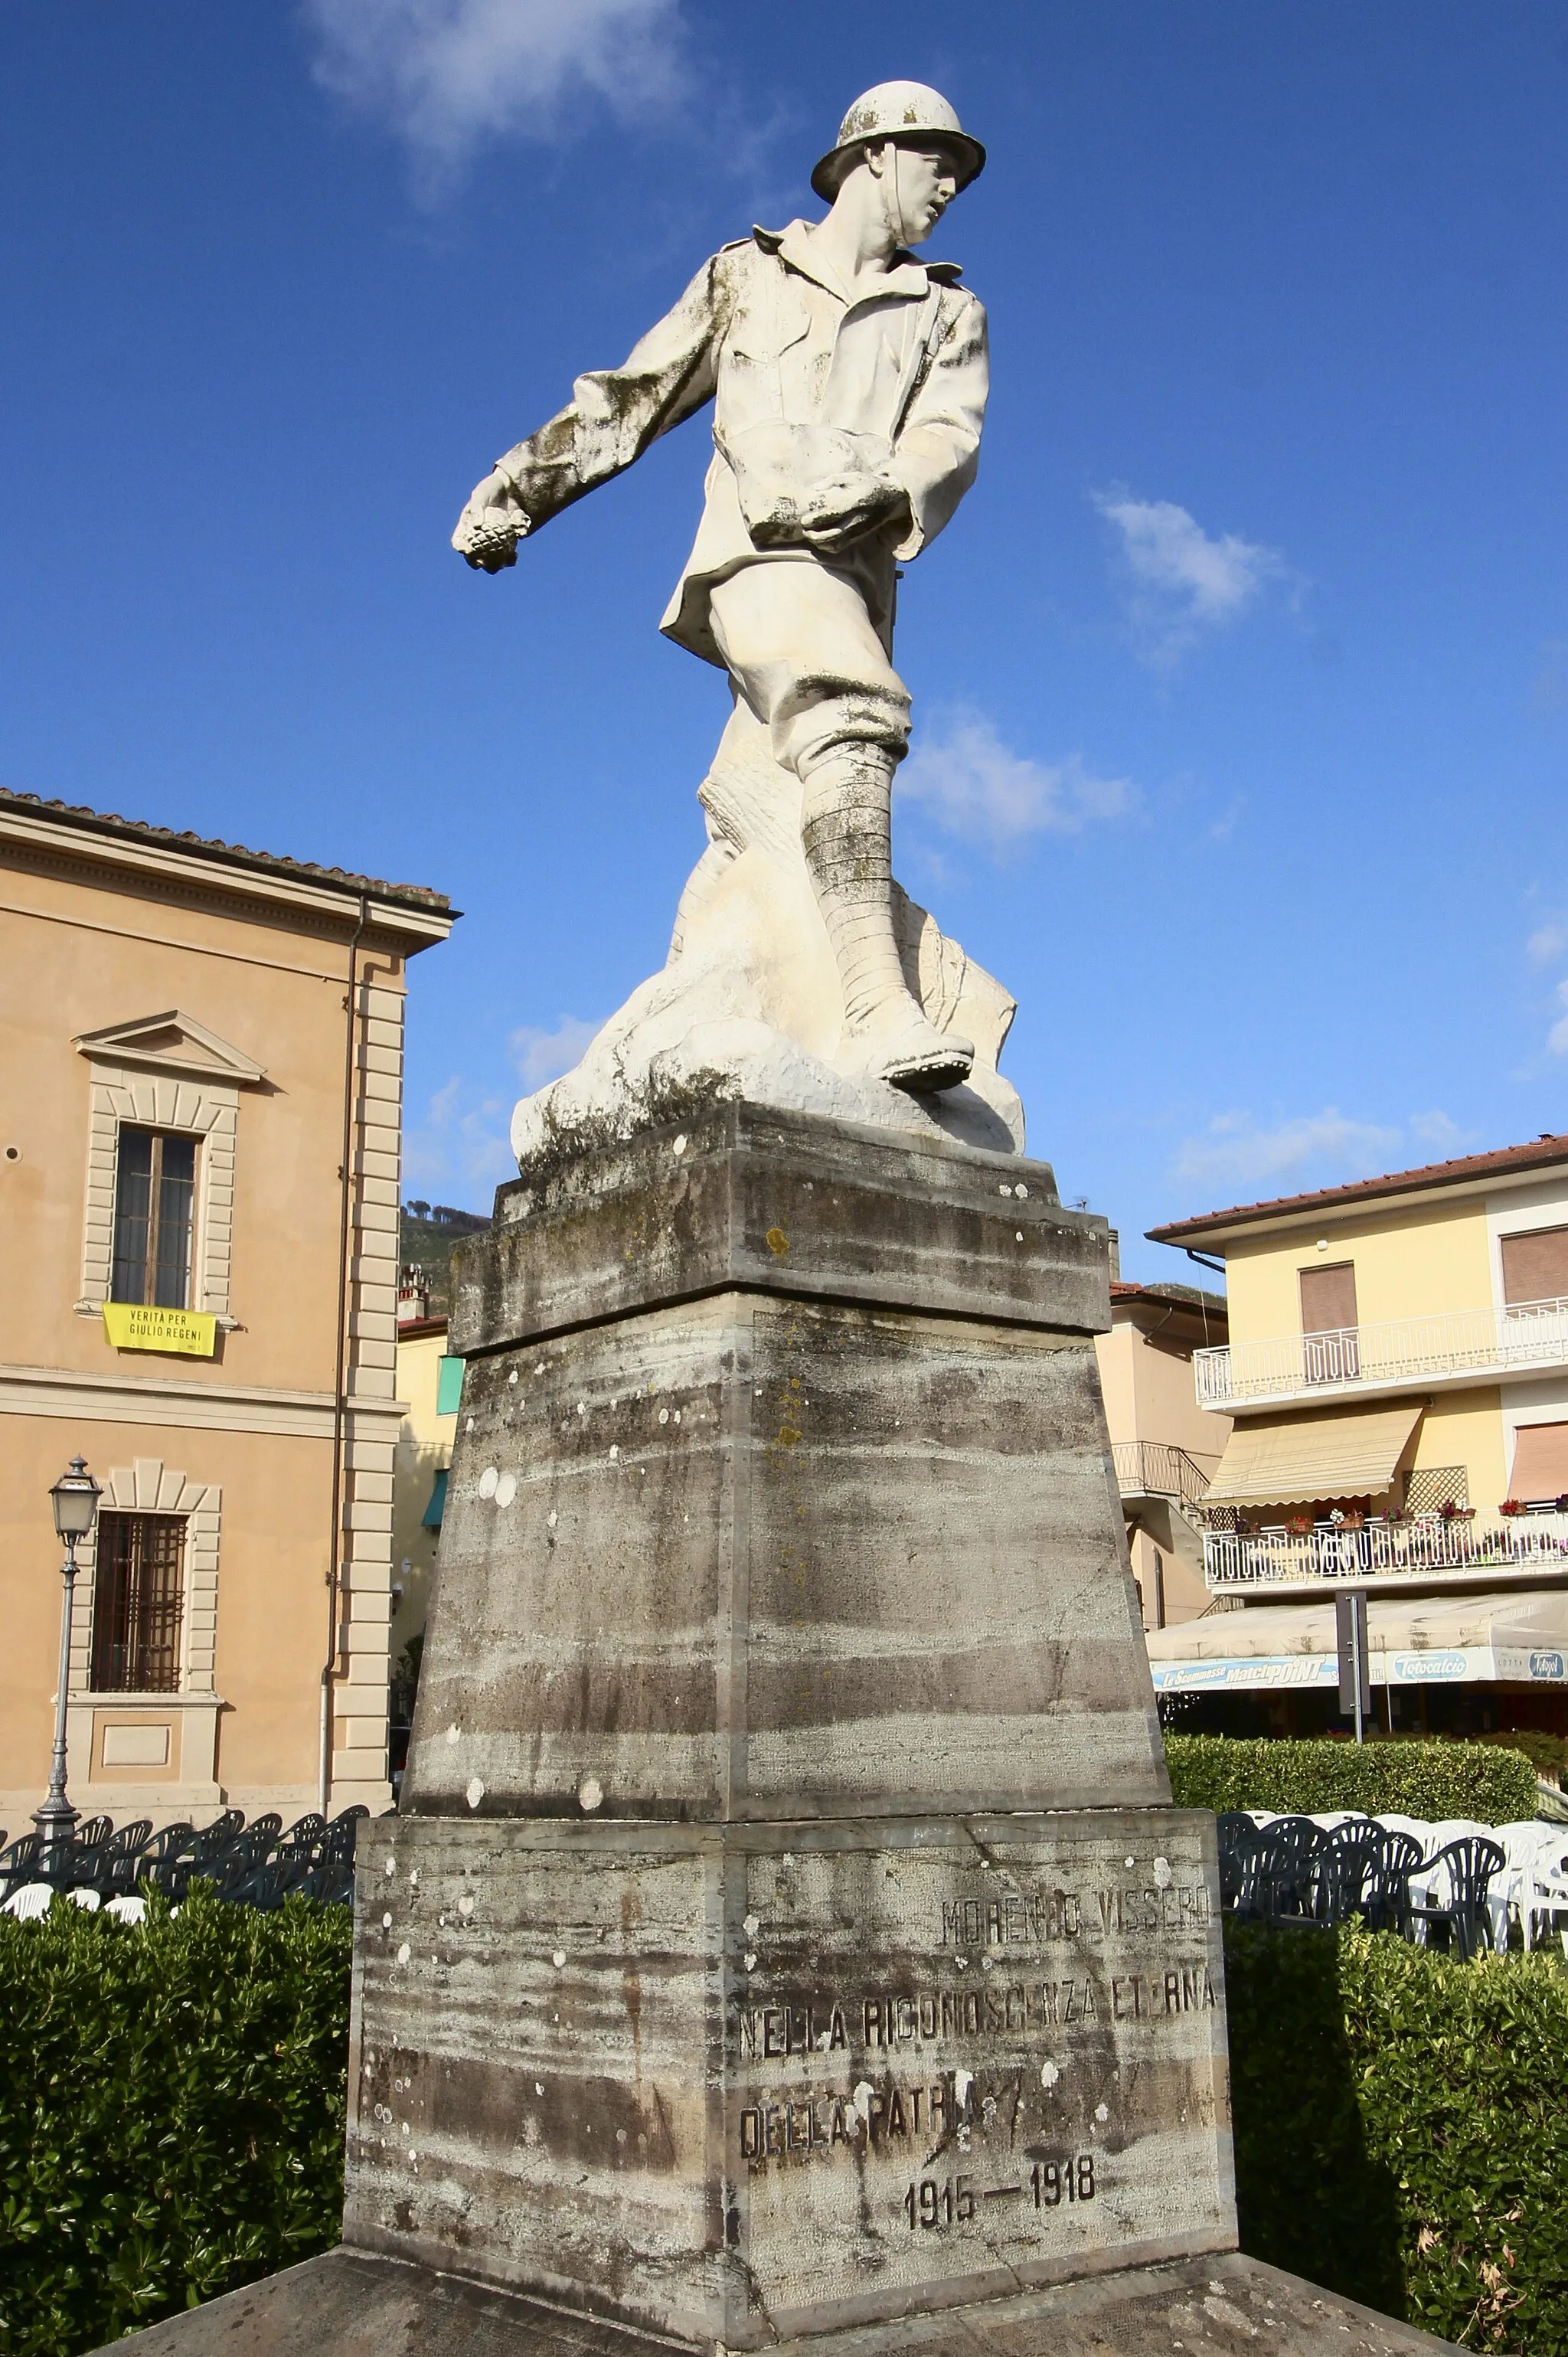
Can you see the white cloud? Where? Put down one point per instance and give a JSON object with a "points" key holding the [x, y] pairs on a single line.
{"points": [[975, 787], [544, 1055], [445, 74], [1440, 1132], [1547, 943], [1234, 1151], [460, 1149], [1183, 583], [1557, 1037]]}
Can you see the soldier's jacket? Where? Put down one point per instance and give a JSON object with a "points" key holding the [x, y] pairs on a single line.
{"points": [[805, 386]]}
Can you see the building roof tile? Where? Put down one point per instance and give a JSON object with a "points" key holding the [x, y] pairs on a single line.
{"points": [[233, 854], [1542, 1153]]}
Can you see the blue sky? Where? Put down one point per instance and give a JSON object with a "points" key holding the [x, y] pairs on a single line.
{"points": [[1240, 680]]}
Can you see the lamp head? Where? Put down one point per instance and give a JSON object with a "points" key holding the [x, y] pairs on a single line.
{"points": [[75, 1499]]}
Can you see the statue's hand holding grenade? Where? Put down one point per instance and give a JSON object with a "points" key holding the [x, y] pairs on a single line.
{"points": [[489, 527]]}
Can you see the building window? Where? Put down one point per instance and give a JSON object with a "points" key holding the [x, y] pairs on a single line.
{"points": [[155, 1197], [1539, 1464], [448, 1386], [1535, 1265], [138, 1603], [1329, 1340]]}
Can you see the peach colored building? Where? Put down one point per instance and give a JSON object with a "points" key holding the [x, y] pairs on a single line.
{"points": [[201, 1290], [1165, 1447]]}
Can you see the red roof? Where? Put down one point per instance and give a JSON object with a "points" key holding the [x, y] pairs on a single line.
{"points": [[107, 823], [1541, 1153], [1172, 1296]]}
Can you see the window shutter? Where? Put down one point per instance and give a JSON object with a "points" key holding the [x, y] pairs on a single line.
{"points": [[1540, 1463], [1535, 1267], [1328, 1297]]}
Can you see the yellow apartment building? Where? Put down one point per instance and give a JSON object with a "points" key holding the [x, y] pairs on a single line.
{"points": [[430, 1390], [1166, 1448], [1397, 1375], [200, 1127]]}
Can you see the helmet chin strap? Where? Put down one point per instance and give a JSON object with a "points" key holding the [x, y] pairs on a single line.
{"points": [[892, 195]]}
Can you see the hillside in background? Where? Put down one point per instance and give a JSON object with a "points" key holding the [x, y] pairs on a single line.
{"points": [[426, 1233]]}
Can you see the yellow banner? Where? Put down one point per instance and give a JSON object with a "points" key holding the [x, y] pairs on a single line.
{"points": [[137, 1325]]}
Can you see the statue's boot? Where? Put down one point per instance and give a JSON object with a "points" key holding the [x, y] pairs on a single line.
{"points": [[846, 823]]}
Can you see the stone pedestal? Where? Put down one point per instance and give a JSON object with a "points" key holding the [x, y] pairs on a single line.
{"points": [[783, 1929], [739, 2081], [786, 1939], [781, 1490]]}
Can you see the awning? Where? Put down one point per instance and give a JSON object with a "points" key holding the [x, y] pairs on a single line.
{"points": [[1288, 1462], [1518, 1638], [437, 1506]]}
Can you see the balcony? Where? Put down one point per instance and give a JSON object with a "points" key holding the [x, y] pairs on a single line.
{"points": [[1158, 1468], [1510, 1547], [1450, 1348]]}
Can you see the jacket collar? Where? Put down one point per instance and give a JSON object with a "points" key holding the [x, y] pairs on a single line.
{"points": [[908, 275]]}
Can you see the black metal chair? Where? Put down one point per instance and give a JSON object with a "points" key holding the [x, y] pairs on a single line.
{"points": [[266, 1886], [1299, 1878], [1345, 1866], [1255, 1859], [19, 1864], [228, 1864], [213, 1840], [1385, 1903], [83, 1862], [119, 1859], [332, 1877], [1469, 1864], [162, 1860]]}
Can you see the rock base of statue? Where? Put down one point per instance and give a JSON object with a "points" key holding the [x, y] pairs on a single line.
{"points": [[786, 1938], [750, 993]]}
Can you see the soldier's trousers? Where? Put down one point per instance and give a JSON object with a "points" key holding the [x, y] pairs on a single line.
{"points": [[804, 653]]}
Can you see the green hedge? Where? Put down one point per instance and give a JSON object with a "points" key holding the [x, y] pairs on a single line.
{"points": [[172, 2097], [1414, 1780], [1401, 2133], [171, 2110]]}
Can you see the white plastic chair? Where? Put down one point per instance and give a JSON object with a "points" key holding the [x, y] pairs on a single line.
{"points": [[91, 1899], [31, 1901], [130, 1910], [1538, 1858]]}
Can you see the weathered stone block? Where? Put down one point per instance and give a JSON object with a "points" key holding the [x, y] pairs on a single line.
{"points": [[771, 1552], [735, 2083], [358, 2305], [788, 1203]]}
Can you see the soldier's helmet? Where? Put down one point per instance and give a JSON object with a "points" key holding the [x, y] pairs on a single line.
{"points": [[896, 110]]}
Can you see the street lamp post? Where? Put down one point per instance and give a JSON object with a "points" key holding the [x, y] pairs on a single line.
{"points": [[75, 1500]]}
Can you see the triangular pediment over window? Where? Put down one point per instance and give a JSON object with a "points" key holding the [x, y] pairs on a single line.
{"points": [[171, 1043]]}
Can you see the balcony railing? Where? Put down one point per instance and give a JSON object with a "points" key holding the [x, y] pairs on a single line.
{"points": [[1158, 1469], [1437, 1543], [1398, 1354]]}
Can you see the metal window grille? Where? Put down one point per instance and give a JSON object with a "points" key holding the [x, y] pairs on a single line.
{"points": [[155, 1200], [138, 1603], [1437, 1486]]}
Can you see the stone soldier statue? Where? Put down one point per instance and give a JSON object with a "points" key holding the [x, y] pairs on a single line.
{"points": [[849, 385]]}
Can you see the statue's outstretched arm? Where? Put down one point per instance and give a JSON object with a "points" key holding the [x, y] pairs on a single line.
{"points": [[613, 416]]}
